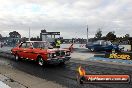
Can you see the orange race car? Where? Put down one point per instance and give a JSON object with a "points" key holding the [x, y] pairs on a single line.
{"points": [[41, 52]]}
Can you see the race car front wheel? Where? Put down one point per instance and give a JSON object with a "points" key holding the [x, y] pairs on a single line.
{"points": [[92, 49]]}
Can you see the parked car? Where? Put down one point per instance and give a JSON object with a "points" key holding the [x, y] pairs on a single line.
{"points": [[102, 45], [41, 52]]}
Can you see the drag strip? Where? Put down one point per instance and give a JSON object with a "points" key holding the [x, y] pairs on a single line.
{"points": [[66, 75]]}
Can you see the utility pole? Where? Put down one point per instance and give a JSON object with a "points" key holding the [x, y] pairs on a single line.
{"points": [[29, 33], [87, 33]]}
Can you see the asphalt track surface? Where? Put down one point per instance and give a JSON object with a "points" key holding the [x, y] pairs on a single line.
{"points": [[66, 75]]}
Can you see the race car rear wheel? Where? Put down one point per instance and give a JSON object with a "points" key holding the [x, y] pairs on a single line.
{"points": [[40, 61]]}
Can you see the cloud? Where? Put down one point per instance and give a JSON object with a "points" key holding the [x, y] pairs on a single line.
{"points": [[70, 17]]}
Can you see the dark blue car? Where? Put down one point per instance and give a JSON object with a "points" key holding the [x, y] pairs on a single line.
{"points": [[102, 45]]}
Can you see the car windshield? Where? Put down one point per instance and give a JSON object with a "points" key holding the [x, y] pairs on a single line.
{"points": [[41, 45], [102, 42], [97, 42], [109, 43]]}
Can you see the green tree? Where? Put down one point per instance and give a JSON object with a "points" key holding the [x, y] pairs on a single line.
{"points": [[14, 34], [127, 36], [111, 36], [0, 36], [23, 39], [98, 35]]}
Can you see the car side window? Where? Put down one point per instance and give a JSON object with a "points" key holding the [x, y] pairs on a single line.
{"points": [[23, 45], [28, 45], [104, 43]]}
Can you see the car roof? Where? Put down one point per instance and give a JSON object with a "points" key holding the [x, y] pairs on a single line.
{"points": [[101, 40], [35, 41]]}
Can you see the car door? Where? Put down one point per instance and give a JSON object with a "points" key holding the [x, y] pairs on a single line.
{"points": [[104, 45], [21, 50], [30, 51], [98, 45]]}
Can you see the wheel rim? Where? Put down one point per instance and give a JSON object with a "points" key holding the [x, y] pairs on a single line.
{"points": [[41, 62], [92, 49], [16, 57]]}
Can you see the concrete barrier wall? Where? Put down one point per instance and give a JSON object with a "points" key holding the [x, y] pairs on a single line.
{"points": [[74, 46], [82, 46], [126, 47]]}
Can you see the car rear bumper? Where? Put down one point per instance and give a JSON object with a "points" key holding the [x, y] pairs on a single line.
{"points": [[58, 60]]}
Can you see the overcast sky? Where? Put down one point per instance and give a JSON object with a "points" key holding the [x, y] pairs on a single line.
{"points": [[70, 17]]}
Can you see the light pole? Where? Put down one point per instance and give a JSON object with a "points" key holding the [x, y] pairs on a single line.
{"points": [[87, 33], [29, 33]]}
